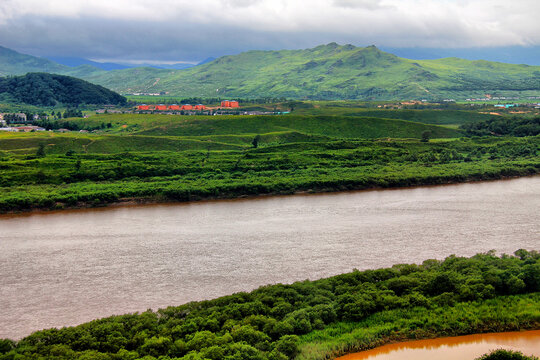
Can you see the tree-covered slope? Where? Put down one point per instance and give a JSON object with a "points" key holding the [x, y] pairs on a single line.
{"points": [[50, 89]]}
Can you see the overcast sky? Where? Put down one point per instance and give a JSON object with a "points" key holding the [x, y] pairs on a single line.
{"points": [[192, 30]]}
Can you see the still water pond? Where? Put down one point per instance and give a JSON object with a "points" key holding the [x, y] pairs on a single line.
{"points": [[69, 267], [455, 348]]}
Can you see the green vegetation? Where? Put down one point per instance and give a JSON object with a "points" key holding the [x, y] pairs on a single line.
{"points": [[182, 158], [505, 126], [329, 71], [315, 319], [49, 90], [14, 63], [502, 354]]}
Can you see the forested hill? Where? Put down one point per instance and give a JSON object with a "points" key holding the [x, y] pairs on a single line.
{"points": [[50, 89]]}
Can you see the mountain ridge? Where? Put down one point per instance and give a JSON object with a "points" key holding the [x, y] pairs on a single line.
{"points": [[330, 71]]}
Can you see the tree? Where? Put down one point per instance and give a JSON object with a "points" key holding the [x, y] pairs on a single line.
{"points": [[255, 141], [41, 150], [426, 135]]}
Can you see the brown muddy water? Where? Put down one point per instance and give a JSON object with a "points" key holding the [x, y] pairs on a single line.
{"points": [[454, 348], [65, 268]]}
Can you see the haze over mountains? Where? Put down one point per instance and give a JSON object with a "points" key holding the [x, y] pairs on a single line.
{"points": [[329, 71]]}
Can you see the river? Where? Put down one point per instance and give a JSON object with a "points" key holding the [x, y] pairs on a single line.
{"points": [[454, 348], [68, 267]]}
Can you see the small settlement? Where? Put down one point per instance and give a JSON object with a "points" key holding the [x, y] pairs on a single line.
{"points": [[187, 107]]}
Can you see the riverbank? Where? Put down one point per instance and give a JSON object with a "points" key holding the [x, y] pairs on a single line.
{"points": [[466, 347], [214, 183], [399, 326], [133, 201], [316, 319]]}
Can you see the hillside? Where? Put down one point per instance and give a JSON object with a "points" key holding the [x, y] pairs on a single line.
{"points": [[49, 89], [14, 63], [330, 72]]}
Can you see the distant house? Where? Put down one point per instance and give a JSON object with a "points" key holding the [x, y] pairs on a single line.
{"points": [[187, 107], [161, 107], [230, 104], [143, 107], [200, 107], [21, 117], [174, 107], [28, 128]]}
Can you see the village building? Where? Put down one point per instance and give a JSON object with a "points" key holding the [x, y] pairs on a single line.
{"points": [[28, 128], [230, 104]]}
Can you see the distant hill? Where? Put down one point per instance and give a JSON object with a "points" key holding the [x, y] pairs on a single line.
{"points": [[76, 61], [207, 60], [329, 71], [50, 89], [14, 63]]}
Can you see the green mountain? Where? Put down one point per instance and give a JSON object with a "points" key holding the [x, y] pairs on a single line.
{"points": [[50, 89], [14, 63], [329, 71]]}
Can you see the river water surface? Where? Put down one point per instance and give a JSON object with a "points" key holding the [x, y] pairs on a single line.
{"points": [[454, 348], [68, 267]]}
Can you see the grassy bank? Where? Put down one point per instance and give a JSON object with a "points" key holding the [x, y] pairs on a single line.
{"points": [[152, 158], [512, 313], [315, 319], [64, 179]]}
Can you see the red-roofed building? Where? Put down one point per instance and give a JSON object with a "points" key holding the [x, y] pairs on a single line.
{"points": [[225, 103], [187, 107], [143, 107], [161, 107], [234, 104], [200, 107], [174, 107]]}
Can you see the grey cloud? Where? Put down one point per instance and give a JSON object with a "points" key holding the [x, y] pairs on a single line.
{"points": [[241, 3], [359, 4]]}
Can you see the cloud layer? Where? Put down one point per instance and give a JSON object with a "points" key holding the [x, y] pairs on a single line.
{"points": [[189, 30]]}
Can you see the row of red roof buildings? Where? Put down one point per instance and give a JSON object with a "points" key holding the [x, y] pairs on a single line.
{"points": [[174, 107]]}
